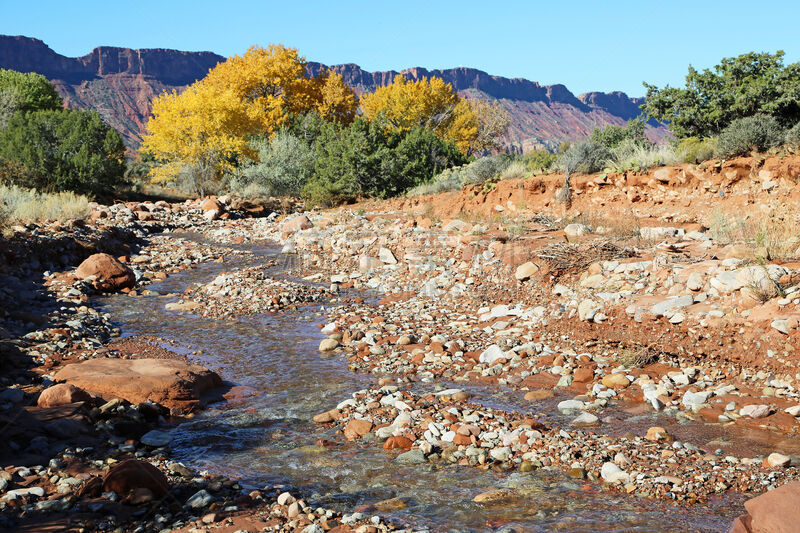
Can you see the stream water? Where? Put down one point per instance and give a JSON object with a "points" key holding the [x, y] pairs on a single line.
{"points": [[268, 439]]}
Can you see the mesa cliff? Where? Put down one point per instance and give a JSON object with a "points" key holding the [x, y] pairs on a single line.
{"points": [[120, 83]]}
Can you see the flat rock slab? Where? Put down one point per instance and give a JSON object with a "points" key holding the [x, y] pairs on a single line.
{"points": [[170, 382]]}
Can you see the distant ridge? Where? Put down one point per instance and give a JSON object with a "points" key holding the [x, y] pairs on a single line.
{"points": [[120, 83]]}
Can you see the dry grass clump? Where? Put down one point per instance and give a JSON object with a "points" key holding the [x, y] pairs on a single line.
{"points": [[772, 235], [20, 205], [563, 258], [637, 357]]}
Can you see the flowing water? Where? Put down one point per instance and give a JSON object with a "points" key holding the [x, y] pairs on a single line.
{"points": [[268, 439]]}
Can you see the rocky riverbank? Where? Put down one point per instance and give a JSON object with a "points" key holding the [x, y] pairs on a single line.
{"points": [[653, 358]]}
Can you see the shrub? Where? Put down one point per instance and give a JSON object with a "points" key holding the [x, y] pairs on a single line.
{"points": [[539, 160], [64, 150], [757, 133], [793, 136], [584, 156], [612, 136], [631, 155], [20, 205], [284, 165], [366, 159], [514, 170], [478, 172], [694, 150]]}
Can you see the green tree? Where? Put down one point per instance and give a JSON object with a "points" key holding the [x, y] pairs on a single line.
{"points": [[33, 92], [64, 150], [612, 136], [739, 87]]}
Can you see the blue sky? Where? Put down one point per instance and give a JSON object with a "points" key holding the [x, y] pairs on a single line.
{"points": [[586, 45]]}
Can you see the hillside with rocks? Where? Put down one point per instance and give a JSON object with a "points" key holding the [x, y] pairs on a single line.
{"points": [[120, 83]]}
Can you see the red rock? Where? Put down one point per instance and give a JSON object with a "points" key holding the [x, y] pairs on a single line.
{"points": [[171, 382], [295, 224], [211, 204], [583, 375], [776, 511], [357, 428], [394, 442], [131, 474], [741, 524], [111, 274], [62, 394]]}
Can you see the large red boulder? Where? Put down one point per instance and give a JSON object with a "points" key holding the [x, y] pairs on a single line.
{"points": [[132, 474], [776, 511], [110, 273], [62, 394], [173, 383]]}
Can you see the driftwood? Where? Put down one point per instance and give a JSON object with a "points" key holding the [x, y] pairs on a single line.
{"points": [[564, 258]]}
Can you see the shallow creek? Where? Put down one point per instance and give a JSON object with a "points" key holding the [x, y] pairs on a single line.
{"points": [[268, 439]]}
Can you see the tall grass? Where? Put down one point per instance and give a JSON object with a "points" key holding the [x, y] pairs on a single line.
{"points": [[20, 205], [773, 234]]}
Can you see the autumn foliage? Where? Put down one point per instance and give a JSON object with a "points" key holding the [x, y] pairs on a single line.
{"points": [[209, 125], [474, 126], [408, 131]]}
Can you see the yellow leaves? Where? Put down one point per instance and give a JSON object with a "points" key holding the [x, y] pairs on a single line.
{"points": [[201, 126], [463, 127], [478, 126], [472, 125], [335, 101], [428, 103], [271, 82]]}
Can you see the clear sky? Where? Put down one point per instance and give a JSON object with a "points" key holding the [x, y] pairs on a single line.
{"points": [[586, 45]]}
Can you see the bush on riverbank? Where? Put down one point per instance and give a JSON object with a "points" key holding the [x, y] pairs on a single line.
{"points": [[19, 205]]}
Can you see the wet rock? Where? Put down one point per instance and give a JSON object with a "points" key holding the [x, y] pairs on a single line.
{"points": [[357, 428], [183, 306], [586, 420], [397, 442], [613, 473], [200, 500], [133, 474], [657, 433], [109, 272], [494, 496], [169, 382], [62, 394], [327, 345], [776, 511], [411, 457], [156, 439]]}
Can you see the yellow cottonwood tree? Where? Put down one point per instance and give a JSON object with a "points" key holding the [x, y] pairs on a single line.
{"points": [[271, 82], [201, 128], [472, 125], [335, 100], [208, 127], [480, 128], [428, 103]]}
